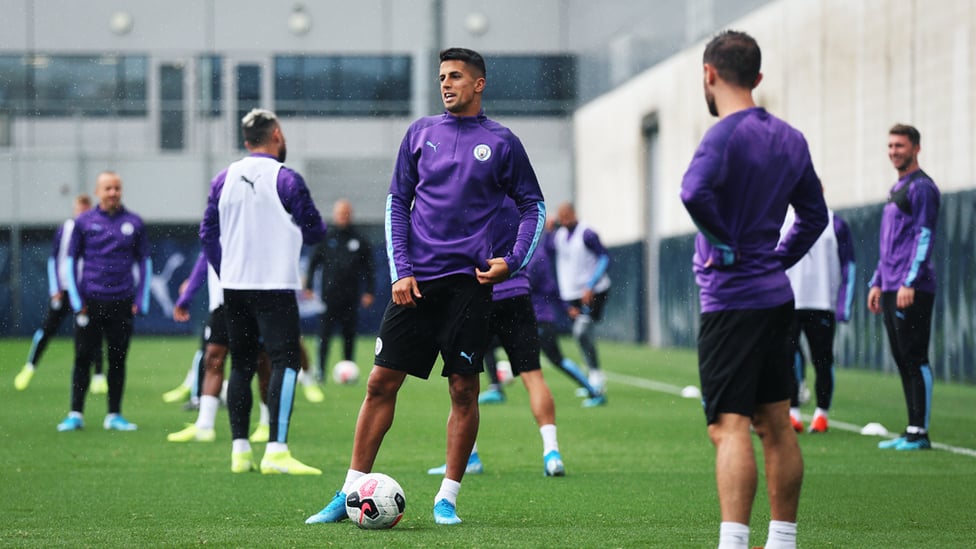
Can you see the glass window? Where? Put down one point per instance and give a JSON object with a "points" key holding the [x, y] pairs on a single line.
{"points": [[105, 85], [530, 85], [211, 85], [13, 83], [248, 96], [171, 115], [55, 85], [349, 85]]}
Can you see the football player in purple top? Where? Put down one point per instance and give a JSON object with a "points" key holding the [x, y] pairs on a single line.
{"points": [[258, 215], [903, 286], [107, 242], [451, 175], [749, 168]]}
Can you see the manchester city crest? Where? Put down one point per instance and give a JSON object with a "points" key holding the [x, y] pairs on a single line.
{"points": [[482, 152]]}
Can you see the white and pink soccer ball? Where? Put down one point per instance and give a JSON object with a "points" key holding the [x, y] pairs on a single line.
{"points": [[375, 501], [345, 372]]}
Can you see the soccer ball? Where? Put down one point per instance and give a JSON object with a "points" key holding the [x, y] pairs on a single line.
{"points": [[504, 370], [345, 372], [375, 501]]}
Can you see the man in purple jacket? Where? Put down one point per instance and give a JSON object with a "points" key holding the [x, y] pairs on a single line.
{"points": [[748, 169], [107, 242], [451, 175], [258, 215], [903, 286]]}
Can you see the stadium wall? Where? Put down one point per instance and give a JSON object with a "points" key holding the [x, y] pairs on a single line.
{"points": [[841, 72]]}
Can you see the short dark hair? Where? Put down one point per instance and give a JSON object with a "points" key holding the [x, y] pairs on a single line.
{"points": [[469, 57], [736, 57], [257, 126], [908, 131]]}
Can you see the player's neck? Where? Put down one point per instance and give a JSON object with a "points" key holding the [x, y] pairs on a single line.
{"points": [[733, 102]]}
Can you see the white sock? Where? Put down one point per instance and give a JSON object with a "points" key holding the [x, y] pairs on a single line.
{"points": [[733, 535], [240, 445], [795, 413], [29, 366], [449, 491], [782, 535], [819, 412], [352, 476], [265, 418], [549, 442], [474, 449], [275, 447], [208, 412], [75, 415]]}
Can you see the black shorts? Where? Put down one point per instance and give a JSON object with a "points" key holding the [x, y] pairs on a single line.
{"points": [[215, 332], [513, 322], [451, 318], [745, 358], [595, 309]]}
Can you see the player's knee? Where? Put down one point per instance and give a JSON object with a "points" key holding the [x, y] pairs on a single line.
{"points": [[381, 386], [464, 391]]}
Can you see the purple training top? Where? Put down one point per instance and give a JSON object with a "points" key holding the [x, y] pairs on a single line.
{"points": [[748, 168], [546, 301], [108, 246], [449, 180], [907, 238], [503, 235]]}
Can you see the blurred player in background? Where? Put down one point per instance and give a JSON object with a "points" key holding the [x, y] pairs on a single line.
{"points": [[258, 215], [823, 292], [749, 168], [903, 286], [58, 308], [512, 324], [345, 260], [109, 243], [581, 271], [548, 308], [215, 341]]}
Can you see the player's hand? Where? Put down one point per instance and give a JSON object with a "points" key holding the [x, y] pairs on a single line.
{"points": [[573, 312], [905, 298], [874, 300], [406, 292], [497, 272], [308, 293], [366, 301], [181, 314], [587, 298]]}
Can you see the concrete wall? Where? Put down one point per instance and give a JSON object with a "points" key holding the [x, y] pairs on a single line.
{"points": [[842, 72]]}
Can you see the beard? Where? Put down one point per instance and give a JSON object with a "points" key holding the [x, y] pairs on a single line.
{"points": [[282, 153], [710, 101]]}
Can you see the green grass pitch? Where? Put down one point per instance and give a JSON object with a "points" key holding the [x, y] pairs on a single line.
{"points": [[639, 471]]}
